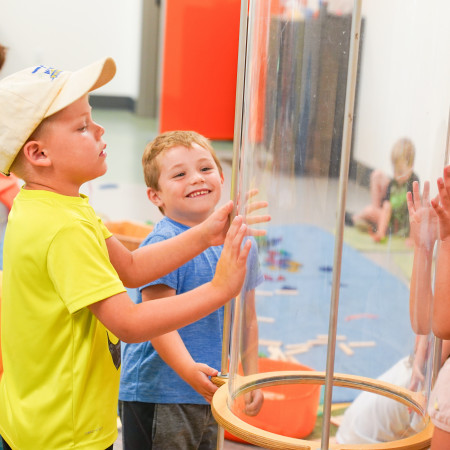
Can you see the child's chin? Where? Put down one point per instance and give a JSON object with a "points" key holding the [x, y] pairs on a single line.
{"points": [[100, 172]]}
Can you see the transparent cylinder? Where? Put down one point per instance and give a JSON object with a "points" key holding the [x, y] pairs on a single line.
{"points": [[344, 105]]}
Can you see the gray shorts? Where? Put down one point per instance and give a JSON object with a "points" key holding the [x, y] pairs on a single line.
{"points": [[159, 426]]}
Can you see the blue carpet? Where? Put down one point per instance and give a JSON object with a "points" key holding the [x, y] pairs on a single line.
{"points": [[373, 306]]}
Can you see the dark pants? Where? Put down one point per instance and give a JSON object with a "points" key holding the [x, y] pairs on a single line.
{"points": [[156, 426], [7, 447]]}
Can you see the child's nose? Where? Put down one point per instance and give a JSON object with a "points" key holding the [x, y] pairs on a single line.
{"points": [[198, 177], [100, 131]]}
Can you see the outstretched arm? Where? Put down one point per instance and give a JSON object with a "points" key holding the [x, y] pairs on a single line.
{"points": [[441, 310], [149, 263], [172, 350], [137, 323], [423, 222]]}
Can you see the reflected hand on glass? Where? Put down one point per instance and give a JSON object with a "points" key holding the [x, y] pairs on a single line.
{"points": [[417, 377], [441, 204], [419, 361], [253, 402], [251, 206], [422, 217]]}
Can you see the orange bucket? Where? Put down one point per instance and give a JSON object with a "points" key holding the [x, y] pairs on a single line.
{"points": [[288, 410]]}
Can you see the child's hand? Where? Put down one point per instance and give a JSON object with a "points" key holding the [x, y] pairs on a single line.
{"points": [[199, 380], [215, 227], [252, 206], [441, 204], [422, 217], [417, 377], [253, 402], [231, 267]]}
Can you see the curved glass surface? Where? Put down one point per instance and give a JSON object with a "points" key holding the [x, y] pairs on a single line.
{"points": [[331, 292]]}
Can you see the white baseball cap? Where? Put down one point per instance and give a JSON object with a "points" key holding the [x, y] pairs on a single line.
{"points": [[29, 96]]}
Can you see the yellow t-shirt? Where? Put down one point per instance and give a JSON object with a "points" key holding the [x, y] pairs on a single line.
{"points": [[1, 359], [61, 366]]}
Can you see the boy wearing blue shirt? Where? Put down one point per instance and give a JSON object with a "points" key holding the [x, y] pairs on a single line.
{"points": [[160, 409]]}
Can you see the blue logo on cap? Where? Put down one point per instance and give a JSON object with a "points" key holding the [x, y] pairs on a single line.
{"points": [[52, 73]]}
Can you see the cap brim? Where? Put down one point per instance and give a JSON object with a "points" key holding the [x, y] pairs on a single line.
{"points": [[83, 81]]}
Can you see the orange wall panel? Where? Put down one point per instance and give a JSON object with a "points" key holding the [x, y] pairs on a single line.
{"points": [[200, 54]]}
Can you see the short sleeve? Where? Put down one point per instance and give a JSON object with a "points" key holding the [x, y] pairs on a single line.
{"points": [[79, 266], [106, 233], [171, 279]]}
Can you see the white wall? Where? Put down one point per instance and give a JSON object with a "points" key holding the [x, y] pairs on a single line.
{"points": [[71, 34], [405, 82], [405, 72]]}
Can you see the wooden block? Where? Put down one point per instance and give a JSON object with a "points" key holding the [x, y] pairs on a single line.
{"points": [[346, 349], [286, 291], [339, 337], [264, 293], [270, 342], [362, 344], [297, 350], [265, 319], [336, 420], [299, 344], [316, 342], [276, 353]]}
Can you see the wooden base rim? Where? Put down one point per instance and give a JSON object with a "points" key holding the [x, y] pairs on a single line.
{"points": [[227, 420]]}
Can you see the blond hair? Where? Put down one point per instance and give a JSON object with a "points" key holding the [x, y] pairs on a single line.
{"points": [[166, 141], [403, 150]]}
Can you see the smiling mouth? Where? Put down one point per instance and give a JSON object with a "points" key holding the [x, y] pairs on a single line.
{"points": [[103, 153], [198, 193]]}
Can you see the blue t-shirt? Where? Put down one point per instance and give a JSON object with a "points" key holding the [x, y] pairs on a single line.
{"points": [[145, 376]]}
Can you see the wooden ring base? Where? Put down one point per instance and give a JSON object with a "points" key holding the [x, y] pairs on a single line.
{"points": [[227, 420]]}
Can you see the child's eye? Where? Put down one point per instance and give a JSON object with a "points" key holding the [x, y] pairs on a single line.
{"points": [[180, 174], [83, 128], [206, 169]]}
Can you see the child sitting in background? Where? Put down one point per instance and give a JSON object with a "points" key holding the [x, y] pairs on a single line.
{"points": [[160, 409], [388, 211]]}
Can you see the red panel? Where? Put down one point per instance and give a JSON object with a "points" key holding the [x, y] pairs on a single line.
{"points": [[198, 88]]}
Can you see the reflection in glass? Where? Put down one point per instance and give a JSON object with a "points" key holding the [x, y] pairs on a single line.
{"points": [[298, 65]]}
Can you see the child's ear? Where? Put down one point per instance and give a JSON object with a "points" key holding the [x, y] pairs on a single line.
{"points": [[36, 154], [153, 196]]}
